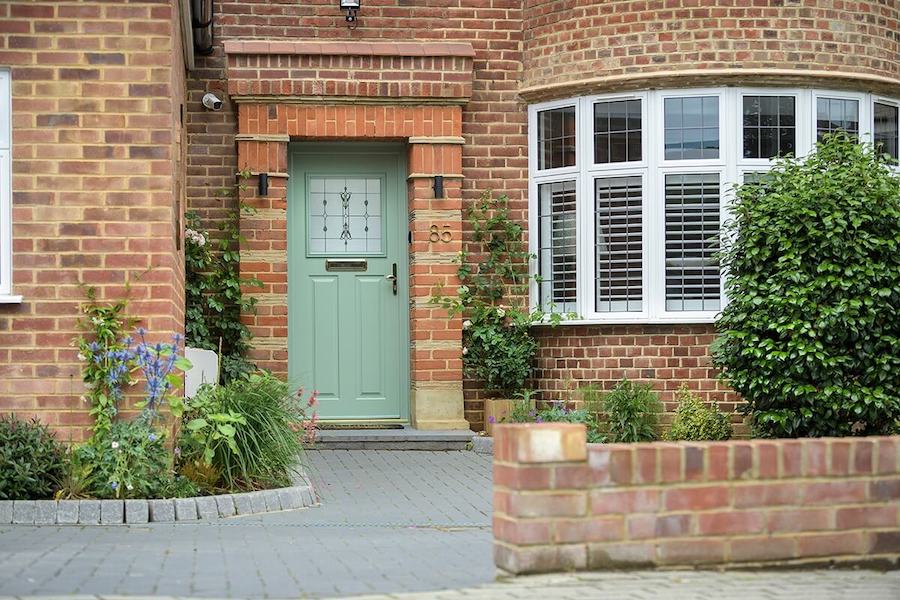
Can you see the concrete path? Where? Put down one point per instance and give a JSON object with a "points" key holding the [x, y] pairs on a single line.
{"points": [[389, 522]]}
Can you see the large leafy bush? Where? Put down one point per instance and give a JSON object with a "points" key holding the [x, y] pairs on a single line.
{"points": [[811, 335], [31, 460]]}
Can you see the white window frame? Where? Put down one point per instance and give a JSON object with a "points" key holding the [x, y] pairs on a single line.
{"points": [[653, 168], [6, 263]]}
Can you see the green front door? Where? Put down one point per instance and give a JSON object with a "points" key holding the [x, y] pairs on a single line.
{"points": [[347, 279]]}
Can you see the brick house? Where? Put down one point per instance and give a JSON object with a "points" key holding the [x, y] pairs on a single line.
{"points": [[615, 127]]}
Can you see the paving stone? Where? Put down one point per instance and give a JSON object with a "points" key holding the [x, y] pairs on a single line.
{"points": [[6, 512], [242, 504], [45, 512], [185, 509], [112, 512], [162, 511], [206, 508], [225, 505], [289, 498], [271, 500], [309, 498], [137, 511], [257, 502], [88, 512], [67, 512], [23, 512]]}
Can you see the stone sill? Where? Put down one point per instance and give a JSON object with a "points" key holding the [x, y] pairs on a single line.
{"points": [[7, 299], [464, 50], [142, 511]]}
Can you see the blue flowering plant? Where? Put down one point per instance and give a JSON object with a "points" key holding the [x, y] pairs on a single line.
{"points": [[159, 363], [106, 360]]}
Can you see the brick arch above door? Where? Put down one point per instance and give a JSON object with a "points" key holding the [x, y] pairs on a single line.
{"points": [[302, 91]]}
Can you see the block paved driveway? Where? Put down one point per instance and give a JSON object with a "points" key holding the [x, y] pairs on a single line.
{"points": [[407, 523], [389, 522]]}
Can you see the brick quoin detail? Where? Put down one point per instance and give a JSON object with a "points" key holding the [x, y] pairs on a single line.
{"points": [[562, 504]]}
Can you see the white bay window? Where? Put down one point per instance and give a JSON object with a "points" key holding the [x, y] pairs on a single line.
{"points": [[629, 191]]}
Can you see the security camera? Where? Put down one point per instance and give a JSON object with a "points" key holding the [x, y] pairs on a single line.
{"points": [[211, 101]]}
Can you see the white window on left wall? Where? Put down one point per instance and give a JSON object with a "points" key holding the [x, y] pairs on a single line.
{"points": [[6, 189], [628, 192]]}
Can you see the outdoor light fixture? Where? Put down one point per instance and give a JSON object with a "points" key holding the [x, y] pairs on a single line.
{"points": [[438, 186], [351, 7], [263, 184]]}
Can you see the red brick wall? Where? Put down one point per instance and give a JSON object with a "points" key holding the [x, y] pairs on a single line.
{"points": [[665, 356], [560, 504], [608, 38], [494, 120], [98, 153], [525, 46]]}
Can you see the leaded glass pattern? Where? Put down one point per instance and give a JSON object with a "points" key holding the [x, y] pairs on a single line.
{"points": [[887, 129], [836, 114], [556, 138], [344, 216], [692, 128], [770, 126], [617, 131]]}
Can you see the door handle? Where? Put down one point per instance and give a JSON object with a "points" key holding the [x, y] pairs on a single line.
{"points": [[393, 278]]}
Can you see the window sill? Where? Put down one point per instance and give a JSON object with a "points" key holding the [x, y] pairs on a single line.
{"points": [[635, 321], [8, 299]]}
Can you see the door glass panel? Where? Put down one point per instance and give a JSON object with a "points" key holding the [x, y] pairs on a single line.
{"points": [[344, 216]]}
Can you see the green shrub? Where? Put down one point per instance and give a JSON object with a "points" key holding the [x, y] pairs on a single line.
{"points": [[810, 337], [131, 461], [31, 460], [263, 452], [632, 410], [696, 422]]}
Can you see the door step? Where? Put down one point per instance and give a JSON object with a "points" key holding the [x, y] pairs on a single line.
{"points": [[404, 438]]}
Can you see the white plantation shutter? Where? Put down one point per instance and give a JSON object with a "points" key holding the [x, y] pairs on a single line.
{"points": [[692, 238], [618, 243], [557, 245]]}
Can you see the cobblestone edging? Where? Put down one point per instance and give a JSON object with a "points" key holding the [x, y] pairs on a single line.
{"points": [[118, 512]]}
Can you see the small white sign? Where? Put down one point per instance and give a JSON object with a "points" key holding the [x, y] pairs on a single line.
{"points": [[204, 369]]}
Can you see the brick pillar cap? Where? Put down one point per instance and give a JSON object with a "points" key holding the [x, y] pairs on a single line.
{"points": [[540, 442]]}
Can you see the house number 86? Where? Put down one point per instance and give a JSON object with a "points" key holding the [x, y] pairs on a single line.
{"points": [[440, 236]]}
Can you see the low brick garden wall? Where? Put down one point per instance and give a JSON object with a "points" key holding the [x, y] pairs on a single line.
{"points": [[561, 504]]}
